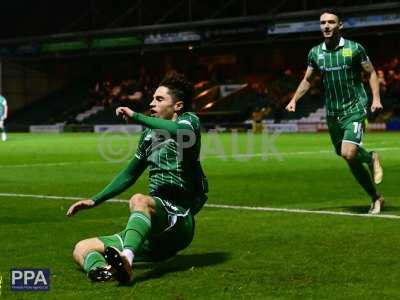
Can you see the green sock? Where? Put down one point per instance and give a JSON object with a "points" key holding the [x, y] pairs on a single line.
{"points": [[137, 230], [363, 155], [363, 177], [93, 260]]}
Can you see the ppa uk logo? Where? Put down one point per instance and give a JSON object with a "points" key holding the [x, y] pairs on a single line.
{"points": [[30, 279]]}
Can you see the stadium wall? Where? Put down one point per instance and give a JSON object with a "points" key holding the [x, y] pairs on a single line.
{"points": [[22, 84]]}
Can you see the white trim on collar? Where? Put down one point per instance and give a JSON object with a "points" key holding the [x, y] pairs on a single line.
{"points": [[341, 44]]}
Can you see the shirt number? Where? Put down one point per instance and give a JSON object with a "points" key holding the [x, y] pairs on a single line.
{"points": [[357, 128]]}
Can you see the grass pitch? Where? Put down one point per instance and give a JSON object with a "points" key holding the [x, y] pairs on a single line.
{"points": [[236, 254]]}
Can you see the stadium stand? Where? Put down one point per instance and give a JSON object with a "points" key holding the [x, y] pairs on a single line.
{"points": [[60, 106], [215, 102], [233, 49]]}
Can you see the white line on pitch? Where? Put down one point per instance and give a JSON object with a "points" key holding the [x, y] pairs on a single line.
{"points": [[57, 164], [227, 156], [237, 207], [302, 211], [277, 153]]}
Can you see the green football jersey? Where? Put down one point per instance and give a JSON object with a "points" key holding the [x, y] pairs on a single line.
{"points": [[341, 70], [175, 172]]}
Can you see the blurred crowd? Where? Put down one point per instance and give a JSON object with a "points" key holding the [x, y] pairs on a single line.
{"points": [[389, 80], [272, 91], [135, 93], [127, 92]]}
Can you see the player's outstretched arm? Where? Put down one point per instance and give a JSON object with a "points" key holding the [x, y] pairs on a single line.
{"points": [[374, 84], [303, 87], [122, 181], [152, 122], [77, 206]]}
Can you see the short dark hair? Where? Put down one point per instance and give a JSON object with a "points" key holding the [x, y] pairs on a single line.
{"points": [[333, 11], [180, 88]]}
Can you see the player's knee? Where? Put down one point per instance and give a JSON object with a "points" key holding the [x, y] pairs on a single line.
{"points": [[349, 155], [80, 250], [139, 202]]}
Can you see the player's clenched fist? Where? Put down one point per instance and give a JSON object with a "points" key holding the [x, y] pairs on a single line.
{"points": [[376, 105], [291, 107], [124, 112]]}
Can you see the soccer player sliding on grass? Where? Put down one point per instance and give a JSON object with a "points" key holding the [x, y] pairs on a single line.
{"points": [[161, 223], [341, 62]]}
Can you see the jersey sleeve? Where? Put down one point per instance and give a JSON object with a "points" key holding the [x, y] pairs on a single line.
{"points": [[362, 56], [141, 152], [190, 121], [121, 182], [311, 61], [157, 123]]}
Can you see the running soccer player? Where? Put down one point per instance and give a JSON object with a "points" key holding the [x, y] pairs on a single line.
{"points": [[341, 62], [161, 223], [3, 116]]}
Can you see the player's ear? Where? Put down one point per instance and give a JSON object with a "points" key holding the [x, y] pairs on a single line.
{"points": [[340, 25], [178, 106]]}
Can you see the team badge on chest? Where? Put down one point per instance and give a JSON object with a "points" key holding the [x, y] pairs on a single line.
{"points": [[346, 52]]}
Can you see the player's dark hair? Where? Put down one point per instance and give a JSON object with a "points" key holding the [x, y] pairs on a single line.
{"points": [[180, 88], [333, 11]]}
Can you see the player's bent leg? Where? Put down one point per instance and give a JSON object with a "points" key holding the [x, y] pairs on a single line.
{"points": [[82, 248], [167, 244], [349, 151], [363, 177], [346, 135], [336, 133], [142, 203], [353, 133], [375, 168], [142, 209], [172, 231], [137, 230], [364, 156], [372, 159], [89, 255]]}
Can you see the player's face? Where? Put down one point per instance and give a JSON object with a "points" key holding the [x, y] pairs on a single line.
{"points": [[163, 105], [330, 25]]}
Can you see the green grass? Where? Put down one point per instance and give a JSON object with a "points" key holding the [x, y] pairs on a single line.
{"points": [[236, 254]]}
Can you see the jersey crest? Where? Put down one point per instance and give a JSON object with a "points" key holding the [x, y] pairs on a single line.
{"points": [[347, 52]]}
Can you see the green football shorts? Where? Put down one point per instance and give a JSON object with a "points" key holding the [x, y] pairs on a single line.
{"points": [[349, 128], [172, 229]]}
